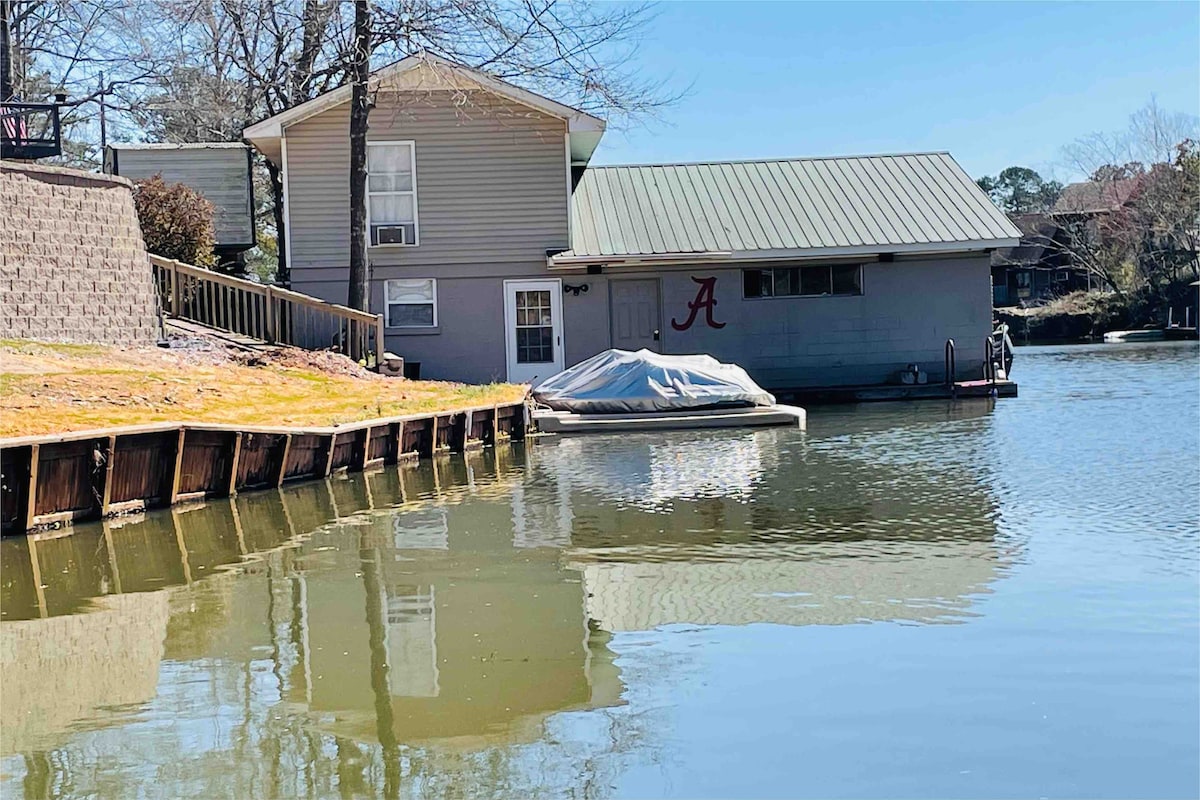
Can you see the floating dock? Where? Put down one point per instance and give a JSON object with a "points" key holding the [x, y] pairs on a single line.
{"points": [[87, 475], [925, 391], [549, 421]]}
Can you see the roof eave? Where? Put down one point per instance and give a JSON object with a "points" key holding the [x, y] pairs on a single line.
{"points": [[568, 261]]}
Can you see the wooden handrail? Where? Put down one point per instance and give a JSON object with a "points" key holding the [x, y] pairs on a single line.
{"points": [[266, 312]]}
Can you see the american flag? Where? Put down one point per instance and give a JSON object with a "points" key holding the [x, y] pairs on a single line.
{"points": [[16, 130]]}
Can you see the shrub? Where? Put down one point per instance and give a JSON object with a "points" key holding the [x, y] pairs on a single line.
{"points": [[177, 221]]}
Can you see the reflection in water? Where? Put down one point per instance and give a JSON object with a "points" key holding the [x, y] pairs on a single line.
{"points": [[412, 629], [642, 615]]}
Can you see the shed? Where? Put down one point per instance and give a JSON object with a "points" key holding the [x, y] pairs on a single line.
{"points": [[221, 171]]}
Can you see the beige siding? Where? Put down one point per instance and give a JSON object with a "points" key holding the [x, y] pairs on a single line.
{"points": [[491, 187], [221, 174]]}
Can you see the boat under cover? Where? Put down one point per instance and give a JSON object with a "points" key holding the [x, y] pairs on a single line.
{"points": [[625, 382]]}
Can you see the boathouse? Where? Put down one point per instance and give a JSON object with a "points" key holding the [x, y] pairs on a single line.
{"points": [[498, 252]]}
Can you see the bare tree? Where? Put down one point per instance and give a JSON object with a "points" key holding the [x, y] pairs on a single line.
{"points": [[360, 109], [1150, 138], [1132, 225], [85, 49]]}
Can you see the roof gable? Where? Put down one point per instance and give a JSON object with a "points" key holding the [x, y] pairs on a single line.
{"points": [[915, 202], [427, 72]]}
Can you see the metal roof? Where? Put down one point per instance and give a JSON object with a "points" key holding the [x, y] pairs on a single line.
{"points": [[822, 206]]}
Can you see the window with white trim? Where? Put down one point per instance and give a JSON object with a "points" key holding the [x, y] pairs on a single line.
{"points": [[411, 303], [391, 193]]}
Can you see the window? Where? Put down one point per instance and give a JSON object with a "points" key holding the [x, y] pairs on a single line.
{"points": [[535, 328], [411, 303], [815, 281], [391, 193]]}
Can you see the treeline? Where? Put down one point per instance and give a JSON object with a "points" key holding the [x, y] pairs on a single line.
{"points": [[1134, 224]]}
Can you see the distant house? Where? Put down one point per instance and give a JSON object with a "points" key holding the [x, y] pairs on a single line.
{"points": [[498, 252], [1089, 198], [1039, 268], [220, 171]]}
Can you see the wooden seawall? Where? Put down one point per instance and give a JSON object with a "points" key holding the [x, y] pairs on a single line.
{"points": [[87, 475]]}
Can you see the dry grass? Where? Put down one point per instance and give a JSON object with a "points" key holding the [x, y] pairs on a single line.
{"points": [[55, 388]]}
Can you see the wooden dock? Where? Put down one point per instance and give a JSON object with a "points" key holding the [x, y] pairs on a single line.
{"points": [[88, 475]]}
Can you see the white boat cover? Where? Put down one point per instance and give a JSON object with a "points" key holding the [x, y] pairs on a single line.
{"points": [[620, 381]]}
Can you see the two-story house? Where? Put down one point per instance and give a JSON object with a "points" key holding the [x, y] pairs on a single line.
{"points": [[498, 253]]}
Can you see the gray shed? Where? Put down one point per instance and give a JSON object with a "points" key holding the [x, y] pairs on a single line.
{"points": [[221, 171]]}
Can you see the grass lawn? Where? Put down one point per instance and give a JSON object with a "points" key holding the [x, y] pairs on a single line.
{"points": [[55, 388]]}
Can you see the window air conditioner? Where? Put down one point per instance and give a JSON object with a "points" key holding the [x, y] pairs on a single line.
{"points": [[392, 234]]}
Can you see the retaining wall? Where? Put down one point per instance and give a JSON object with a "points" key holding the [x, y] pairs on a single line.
{"points": [[73, 266]]}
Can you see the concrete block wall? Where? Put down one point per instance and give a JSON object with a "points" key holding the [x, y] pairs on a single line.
{"points": [[907, 311], [73, 266]]}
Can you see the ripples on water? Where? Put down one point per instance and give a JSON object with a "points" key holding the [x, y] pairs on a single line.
{"points": [[936, 599]]}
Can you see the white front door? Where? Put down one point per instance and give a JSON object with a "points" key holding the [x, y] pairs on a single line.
{"points": [[533, 330]]}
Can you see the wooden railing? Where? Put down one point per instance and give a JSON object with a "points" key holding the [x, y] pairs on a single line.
{"points": [[265, 312]]}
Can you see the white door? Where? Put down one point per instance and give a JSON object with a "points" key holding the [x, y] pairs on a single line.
{"points": [[533, 330]]}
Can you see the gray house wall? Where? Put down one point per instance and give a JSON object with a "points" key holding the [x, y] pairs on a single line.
{"points": [[491, 191], [221, 174], [907, 311]]}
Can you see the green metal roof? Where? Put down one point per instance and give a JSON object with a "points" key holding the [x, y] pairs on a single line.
{"points": [[892, 203]]}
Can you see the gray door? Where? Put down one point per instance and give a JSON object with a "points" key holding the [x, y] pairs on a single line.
{"points": [[635, 314]]}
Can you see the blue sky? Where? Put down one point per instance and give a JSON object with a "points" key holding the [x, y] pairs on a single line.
{"points": [[996, 84]]}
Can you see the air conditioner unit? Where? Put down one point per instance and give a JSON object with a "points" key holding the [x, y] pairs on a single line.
{"points": [[392, 234]]}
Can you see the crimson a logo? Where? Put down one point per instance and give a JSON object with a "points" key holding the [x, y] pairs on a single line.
{"points": [[705, 299]]}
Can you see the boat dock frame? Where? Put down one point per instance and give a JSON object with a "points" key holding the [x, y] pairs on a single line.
{"points": [[87, 475]]}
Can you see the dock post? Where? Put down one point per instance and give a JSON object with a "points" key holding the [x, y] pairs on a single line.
{"points": [[329, 455], [31, 492], [233, 463], [177, 474], [364, 458], [106, 493], [283, 460]]}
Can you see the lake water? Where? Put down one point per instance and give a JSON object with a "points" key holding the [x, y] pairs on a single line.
{"points": [[967, 599]]}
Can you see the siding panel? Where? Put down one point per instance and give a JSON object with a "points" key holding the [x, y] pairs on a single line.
{"points": [[491, 184], [221, 174]]}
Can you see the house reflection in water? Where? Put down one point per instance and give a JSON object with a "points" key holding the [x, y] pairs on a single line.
{"points": [[723, 540], [380, 628]]}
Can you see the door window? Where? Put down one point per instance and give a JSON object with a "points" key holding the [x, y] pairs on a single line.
{"points": [[535, 327]]}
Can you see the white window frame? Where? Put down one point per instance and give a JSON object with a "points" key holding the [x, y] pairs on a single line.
{"points": [[412, 152], [387, 306]]}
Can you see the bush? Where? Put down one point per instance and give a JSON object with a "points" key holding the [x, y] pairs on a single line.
{"points": [[177, 221]]}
